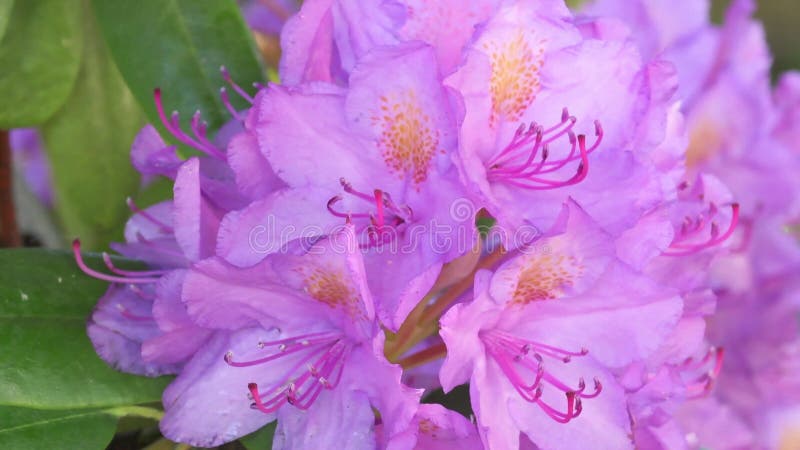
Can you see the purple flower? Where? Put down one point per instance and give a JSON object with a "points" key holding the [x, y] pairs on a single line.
{"points": [[437, 428], [536, 93], [28, 150], [302, 334], [268, 16], [141, 324], [539, 325], [379, 153]]}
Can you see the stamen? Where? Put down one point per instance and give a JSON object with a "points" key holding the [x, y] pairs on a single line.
{"points": [[518, 358], [164, 227], [76, 251], [301, 390], [128, 315], [527, 143], [131, 273], [223, 95], [227, 77], [173, 126], [702, 385], [690, 229], [383, 226]]}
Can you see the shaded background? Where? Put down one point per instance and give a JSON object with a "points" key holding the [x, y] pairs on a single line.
{"points": [[781, 18]]}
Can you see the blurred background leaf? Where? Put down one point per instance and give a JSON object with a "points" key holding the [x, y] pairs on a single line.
{"points": [[88, 143], [179, 46], [39, 54], [5, 13]]}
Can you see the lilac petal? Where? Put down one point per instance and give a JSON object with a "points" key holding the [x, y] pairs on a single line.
{"points": [[119, 324], [304, 135], [459, 331], [168, 309], [254, 176], [154, 223], [604, 422], [399, 281], [175, 346], [491, 395], [196, 221], [578, 255], [425, 23], [445, 429], [267, 226], [221, 296], [309, 52], [339, 418], [207, 404], [150, 155], [649, 312]]}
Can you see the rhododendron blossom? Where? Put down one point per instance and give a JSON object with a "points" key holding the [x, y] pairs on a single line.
{"points": [[582, 225]]}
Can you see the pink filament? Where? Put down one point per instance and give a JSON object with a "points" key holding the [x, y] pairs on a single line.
{"points": [[132, 206], [76, 251], [690, 228], [517, 357], [702, 385], [533, 142], [200, 142], [299, 387], [388, 214]]}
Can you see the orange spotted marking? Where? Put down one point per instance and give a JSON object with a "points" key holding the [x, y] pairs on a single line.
{"points": [[515, 79], [545, 278], [331, 288], [408, 141]]}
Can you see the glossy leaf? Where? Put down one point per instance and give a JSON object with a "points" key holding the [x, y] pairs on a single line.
{"points": [[5, 13], [42, 43], [179, 46], [24, 428], [261, 438], [88, 142], [48, 361]]}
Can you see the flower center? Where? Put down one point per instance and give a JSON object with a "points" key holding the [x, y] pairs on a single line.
{"points": [[527, 161], [381, 226], [523, 363]]}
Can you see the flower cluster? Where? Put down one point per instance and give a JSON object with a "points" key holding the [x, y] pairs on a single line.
{"points": [[576, 215]]}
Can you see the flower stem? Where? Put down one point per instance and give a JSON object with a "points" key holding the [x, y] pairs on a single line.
{"points": [[424, 356]]}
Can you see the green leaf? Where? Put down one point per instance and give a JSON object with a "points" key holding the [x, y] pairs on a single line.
{"points": [[5, 13], [179, 46], [48, 361], [88, 142], [24, 428], [260, 439], [40, 55]]}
